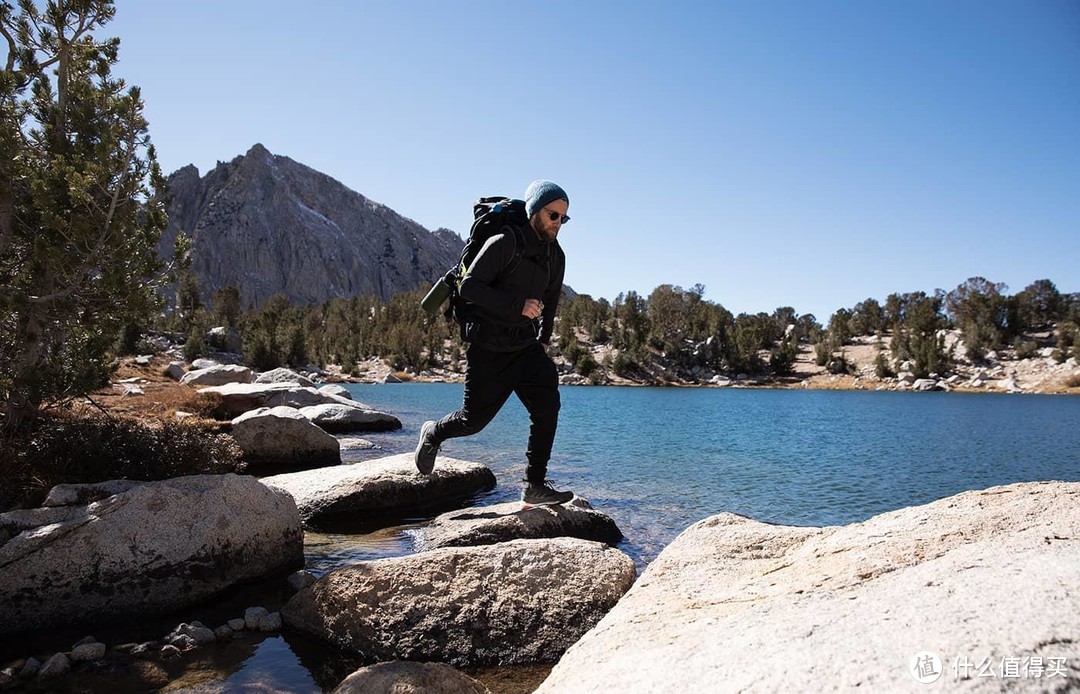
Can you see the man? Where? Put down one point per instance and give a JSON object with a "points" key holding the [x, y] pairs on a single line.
{"points": [[512, 299]]}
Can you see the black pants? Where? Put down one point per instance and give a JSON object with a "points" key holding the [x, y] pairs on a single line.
{"points": [[490, 378]]}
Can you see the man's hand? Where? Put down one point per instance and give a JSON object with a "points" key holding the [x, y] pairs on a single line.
{"points": [[532, 308]]}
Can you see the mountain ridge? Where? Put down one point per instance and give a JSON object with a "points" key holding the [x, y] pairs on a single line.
{"points": [[267, 224]]}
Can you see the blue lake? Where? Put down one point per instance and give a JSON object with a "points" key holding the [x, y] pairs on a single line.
{"points": [[659, 459]]}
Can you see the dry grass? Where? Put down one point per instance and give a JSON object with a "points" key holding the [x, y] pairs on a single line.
{"points": [[163, 398], [75, 447], [112, 434]]}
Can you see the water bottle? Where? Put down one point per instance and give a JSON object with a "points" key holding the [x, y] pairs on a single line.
{"points": [[435, 298]]}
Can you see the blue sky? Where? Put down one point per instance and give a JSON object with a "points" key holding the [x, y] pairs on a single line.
{"points": [[782, 153]]}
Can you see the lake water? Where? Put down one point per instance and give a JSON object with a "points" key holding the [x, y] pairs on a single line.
{"points": [[658, 459]]}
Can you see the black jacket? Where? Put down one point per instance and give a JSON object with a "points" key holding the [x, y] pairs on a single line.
{"points": [[498, 291]]}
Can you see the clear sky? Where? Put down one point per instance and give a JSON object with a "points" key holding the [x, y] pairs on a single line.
{"points": [[805, 153]]}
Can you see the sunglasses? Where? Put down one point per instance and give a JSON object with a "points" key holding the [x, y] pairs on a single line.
{"points": [[555, 215]]}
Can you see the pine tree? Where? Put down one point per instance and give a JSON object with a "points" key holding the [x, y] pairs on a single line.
{"points": [[80, 210], [227, 306], [979, 308], [782, 357]]}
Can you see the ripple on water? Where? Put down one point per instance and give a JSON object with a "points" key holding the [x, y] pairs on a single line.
{"points": [[324, 552]]}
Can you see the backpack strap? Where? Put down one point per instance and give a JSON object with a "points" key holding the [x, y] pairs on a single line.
{"points": [[457, 309], [519, 249], [519, 252]]}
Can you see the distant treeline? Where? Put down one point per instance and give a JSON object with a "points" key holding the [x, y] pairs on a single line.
{"points": [[673, 328]]}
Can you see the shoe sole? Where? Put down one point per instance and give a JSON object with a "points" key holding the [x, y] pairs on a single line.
{"points": [[525, 505], [422, 464]]}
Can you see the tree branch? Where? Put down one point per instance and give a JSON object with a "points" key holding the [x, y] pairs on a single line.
{"points": [[120, 181], [99, 407], [11, 47]]}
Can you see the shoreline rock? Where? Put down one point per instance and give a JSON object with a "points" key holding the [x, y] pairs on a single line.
{"points": [[337, 418], [486, 525], [524, 601], [239, 398], [381, 488], [283, 375], [283, 437], [155, 548], [735, 604], [217, 375], [403, 677]]}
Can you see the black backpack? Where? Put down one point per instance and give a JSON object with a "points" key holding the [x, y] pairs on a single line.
{"points": [[490, 217]]}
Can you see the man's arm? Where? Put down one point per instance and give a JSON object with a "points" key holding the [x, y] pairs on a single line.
{"points": [[477, 287], [551, 296]]}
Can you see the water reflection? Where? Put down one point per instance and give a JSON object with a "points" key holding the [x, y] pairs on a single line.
{"points": [[324, 552], [250, 664]]}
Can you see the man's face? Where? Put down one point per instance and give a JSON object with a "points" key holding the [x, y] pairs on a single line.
{"points": [[548, 219]]}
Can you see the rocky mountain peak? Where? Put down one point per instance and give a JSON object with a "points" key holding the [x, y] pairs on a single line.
{"points": [[267, 224]]}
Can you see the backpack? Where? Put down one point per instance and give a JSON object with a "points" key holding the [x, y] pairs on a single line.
{"points": [[490, 217]]}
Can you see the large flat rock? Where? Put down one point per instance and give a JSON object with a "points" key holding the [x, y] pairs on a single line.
{"points": [[516, 602], [217, 375], [238, 398], [338, 418], [486, 525], [283, 375], [282, 437], [382, 488], [152, 547], [985, 578]]}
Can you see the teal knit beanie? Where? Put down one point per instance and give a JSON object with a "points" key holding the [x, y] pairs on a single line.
{"points": [[540, 193]]}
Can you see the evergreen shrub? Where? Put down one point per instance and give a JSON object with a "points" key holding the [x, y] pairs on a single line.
{"points": [[66, 449]]}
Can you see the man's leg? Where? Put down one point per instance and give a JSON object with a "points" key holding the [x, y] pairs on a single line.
{"points": [[538, 390], [489, 380]]}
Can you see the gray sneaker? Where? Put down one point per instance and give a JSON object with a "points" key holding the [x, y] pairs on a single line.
{"points": [[543, 494], [425, 449]]}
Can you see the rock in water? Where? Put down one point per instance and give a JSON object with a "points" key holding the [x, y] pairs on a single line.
{"points": [[485, 525], [382, 488], [410, 678], [516, 602], [282, 437], [155, 548], [737, 605]]}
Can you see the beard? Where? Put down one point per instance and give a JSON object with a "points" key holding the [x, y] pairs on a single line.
{"points": [[545, 231]]}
